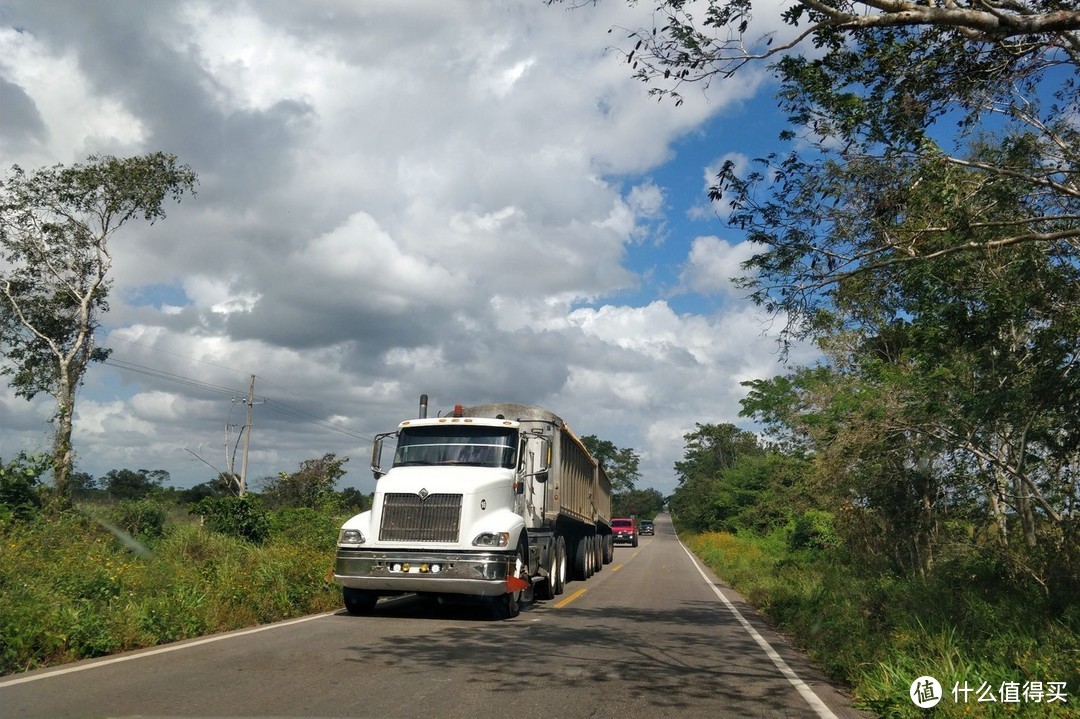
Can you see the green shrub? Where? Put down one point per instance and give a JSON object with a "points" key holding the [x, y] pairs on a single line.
{"points": [[301, 525], [142, 517], [235, 516], [20, 479], [813, 529]]}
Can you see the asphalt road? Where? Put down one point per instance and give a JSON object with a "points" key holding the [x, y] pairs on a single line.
{"points": [[651, 635]]}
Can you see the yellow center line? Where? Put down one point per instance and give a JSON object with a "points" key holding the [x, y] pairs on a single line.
{"points": [[617, 567], [571, 598]]}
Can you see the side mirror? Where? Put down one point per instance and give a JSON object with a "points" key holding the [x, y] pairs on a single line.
{"points": [[376, 454], [538, 461]]}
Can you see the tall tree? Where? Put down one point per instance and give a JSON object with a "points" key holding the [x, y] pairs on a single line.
{"points": [[621, 465], [56, 225], [313, 483], [711, 450], [134, 484], [645, 503]]}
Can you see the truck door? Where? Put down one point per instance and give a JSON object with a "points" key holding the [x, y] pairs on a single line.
{"points": [[534, 468]]}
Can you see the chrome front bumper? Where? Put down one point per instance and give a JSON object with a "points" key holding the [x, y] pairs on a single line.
{"points": [[479, 574]]}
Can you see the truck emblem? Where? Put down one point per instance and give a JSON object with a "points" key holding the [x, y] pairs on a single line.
{"points": [[423, 494]]}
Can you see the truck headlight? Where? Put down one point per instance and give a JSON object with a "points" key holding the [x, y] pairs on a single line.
{"points": [[492, 539], [350, 536]]}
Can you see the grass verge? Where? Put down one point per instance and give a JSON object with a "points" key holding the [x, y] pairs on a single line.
{"points": [[877, 633], [70, 589]]}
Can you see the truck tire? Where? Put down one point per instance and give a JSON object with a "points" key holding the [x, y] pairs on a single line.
{"points": [[549, 587], [358, 601], [508, 606], [560, 551], [598, 552], [609, 549], [581, 559]]}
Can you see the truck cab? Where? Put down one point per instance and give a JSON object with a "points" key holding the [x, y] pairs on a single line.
{"points": [[449, 515]]}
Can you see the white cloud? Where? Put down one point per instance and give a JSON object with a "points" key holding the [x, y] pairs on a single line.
{"points": [[714, 262], [395, 198], [78, 120]]}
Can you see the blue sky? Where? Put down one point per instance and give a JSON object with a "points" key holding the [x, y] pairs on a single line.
{"points": [[472, 200]]}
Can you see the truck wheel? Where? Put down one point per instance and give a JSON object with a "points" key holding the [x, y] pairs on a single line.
{"points": [[581, 559], [358, 601], [549, 588], [560, 552], [508, 606], [598, 552], [609, 549]]}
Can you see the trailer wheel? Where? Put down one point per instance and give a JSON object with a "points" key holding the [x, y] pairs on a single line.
{"points": [[358, 601], [560, 552], [590, 557], [598, 552], [581, 559], [609, 549]]}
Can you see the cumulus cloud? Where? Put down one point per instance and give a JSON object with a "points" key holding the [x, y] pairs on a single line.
{"points": [[713, 263], [395, 198]]}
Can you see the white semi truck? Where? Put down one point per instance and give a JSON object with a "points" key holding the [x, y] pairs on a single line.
{"points": [[496, 501]]}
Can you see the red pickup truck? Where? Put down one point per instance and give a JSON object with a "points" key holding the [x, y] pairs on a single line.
{"points": [[624, 530]]}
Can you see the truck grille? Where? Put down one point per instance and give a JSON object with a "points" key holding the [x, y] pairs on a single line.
{"points": [[408, 518]]}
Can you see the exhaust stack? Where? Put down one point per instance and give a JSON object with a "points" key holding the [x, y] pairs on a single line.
{"points": [[423, 406]]}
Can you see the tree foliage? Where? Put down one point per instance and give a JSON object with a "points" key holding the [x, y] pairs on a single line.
{"points": [[621, 465], [20, 484], [868, 88], [56, 225], [729, 480], [950, 401], [311, 485], [134, 484], [645, 503]]}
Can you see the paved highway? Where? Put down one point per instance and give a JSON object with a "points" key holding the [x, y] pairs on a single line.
{"points": [[652, 635]]}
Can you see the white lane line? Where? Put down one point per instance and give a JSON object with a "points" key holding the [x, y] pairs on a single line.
{"points": [[160, 650], [800, 686]]}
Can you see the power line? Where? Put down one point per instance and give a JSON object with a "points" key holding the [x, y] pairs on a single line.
{"points": [[176, 354], [296, 413], [169, 376], [273, 404]]}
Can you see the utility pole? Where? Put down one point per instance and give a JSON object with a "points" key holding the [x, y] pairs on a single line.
{"points": [[247, 436]]}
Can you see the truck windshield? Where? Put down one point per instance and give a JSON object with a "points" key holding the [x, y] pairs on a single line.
{"points": [[471, 446]]}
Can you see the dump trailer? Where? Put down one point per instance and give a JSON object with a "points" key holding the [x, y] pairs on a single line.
{"points": [[501, 502]]}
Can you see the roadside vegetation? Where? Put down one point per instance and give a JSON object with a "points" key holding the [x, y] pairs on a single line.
{"points": [[877, 632], [982, 614], [102, 574]]}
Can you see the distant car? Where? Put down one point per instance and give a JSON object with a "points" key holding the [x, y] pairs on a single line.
{"points": [[645, 526], [623, 531]]}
